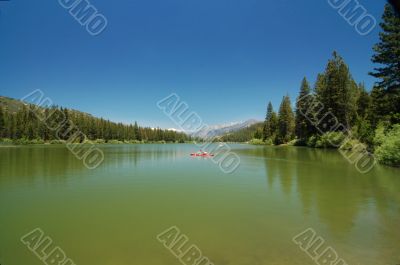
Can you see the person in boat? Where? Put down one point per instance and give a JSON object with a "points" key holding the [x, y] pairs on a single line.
{"points": [[203, 152]]}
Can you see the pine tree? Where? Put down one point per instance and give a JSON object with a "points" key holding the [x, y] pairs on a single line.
{"points": [[13, 127], [270, 123], [387, 54], [363, 102], [258, 134], [336, 90], [65, 129], [387, 51], [362, 124], [379, 109], [303, 128], [266, 130], [286, 122], [137, 131]]}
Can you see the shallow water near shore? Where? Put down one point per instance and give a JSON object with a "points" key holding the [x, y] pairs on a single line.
{"points": [[111, 215]]}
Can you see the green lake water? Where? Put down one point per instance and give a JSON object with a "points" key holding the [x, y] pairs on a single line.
{"points": [[111, 215]]}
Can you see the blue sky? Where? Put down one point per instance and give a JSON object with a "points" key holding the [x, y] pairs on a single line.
{"points": [[225, 58]]}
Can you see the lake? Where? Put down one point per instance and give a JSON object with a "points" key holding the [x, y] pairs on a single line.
{"points": [[112, 215]]}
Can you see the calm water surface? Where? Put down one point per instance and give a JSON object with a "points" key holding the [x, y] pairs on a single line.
{"points": [[111, 215]]}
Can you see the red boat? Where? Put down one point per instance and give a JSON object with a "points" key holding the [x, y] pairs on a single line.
{"points": [[202, 154]]}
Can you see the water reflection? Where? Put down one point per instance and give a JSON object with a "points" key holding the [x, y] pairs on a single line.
{"points": [[253, 211], [343, 199], [55, 163], [52, 153], [25, 164]]}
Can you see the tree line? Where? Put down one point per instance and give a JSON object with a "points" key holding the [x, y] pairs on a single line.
{"points": [[335, 91], [30, 124], [371, 117]]}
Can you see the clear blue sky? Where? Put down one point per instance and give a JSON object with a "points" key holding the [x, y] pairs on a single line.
{"points": [[226, 58]]}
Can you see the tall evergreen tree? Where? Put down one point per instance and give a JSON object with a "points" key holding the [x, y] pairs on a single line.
{"points": [[379, 109], [387, 51], [30, 124], [286, 122], [65, 130], [303, 128], [363, 123], [363, 102], [320, 85], [13, 134], [387, 55], [137, 131], [336, 90], [258, 134], [270, 123]]}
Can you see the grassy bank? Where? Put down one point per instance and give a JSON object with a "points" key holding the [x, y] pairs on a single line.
{"points": [[385, 145]]}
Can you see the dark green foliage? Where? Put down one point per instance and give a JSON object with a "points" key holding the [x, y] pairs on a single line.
{"points": [[286, 122], [386, 95], [363, 131], [330, 140], [2, 122], [350, 103], [337, 94], [379, 109], [388, 145], [136, 132], [245, 134], [363, 102], [270, 123], [29, 123], [362, 125], [327, 140], [258, 134], [304, 128], [387, 52], [337, 91]]}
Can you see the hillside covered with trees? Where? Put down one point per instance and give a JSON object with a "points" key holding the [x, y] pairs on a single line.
{"points": [[20, 123], [244, 134]]}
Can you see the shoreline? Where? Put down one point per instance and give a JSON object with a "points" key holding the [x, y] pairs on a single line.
{"points": [[10, 143]]}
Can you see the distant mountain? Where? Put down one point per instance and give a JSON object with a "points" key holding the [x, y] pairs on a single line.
{"points": [[222, 129]]}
